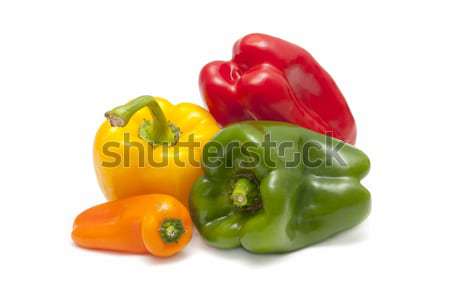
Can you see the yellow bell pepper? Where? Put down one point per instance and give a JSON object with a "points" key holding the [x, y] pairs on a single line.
{"points": [[150, 146]]}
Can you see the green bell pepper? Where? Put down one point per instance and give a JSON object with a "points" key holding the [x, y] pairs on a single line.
{"points": [[259, 195]]}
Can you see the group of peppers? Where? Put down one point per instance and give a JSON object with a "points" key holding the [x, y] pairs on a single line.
{"points": [[269, 88]]}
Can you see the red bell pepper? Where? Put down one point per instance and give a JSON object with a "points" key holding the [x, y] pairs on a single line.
{"points": [[271, 79]]}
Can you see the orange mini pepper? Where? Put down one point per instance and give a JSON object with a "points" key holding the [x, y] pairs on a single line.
{"points": [[157, 224], [151, 146]]}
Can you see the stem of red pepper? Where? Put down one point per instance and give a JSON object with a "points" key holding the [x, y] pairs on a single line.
{"points": [[245, 193], [158, 131]]}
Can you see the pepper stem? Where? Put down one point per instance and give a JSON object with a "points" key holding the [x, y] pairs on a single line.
{"points": [[245, 193], [171, 230], [158, 131]]}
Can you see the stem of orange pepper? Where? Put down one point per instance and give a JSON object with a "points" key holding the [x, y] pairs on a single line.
{"points": [[171, 230], [158, 131]]}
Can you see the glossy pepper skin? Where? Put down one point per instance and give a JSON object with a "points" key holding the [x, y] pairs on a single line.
{"points": [[274, 207], [149, 159], [271, 79], [157, 224]]}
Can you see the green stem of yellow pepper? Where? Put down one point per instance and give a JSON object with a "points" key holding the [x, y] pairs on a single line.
{"points": [[158, 131]]}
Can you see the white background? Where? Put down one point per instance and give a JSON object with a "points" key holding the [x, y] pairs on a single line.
{"points": [[63, 64]]}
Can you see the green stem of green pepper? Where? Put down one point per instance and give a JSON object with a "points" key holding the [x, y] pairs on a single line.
{"points": [[245, 193], [158, 131]]}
